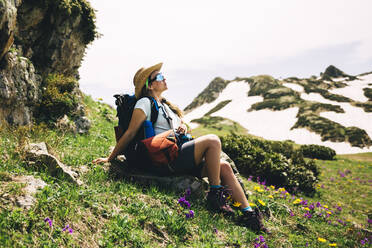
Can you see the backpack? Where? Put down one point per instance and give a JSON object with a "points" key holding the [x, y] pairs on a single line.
{"points": [[125, 106]]}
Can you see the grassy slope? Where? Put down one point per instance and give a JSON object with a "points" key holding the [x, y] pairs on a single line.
{"points": [[111, 213]]}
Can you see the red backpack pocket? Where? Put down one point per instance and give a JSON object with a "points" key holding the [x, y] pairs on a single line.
{"points": [[161, 149]]}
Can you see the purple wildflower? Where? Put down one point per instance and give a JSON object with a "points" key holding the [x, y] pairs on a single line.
{"points": [[250, 178], [50, 222], [183, 202], [68, 228], [308, 215], [342, 174], [304, 203], [190, 214], [339, 208], [369, 221], [262, 239], [307, 244], [256, 245], [322, 186], [318, 204], [312, 206], [215, 230], [291, 213], [264, 182], [264, 246], [332, 179]]}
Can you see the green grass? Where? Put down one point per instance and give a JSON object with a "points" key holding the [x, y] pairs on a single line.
{"points": [[217, 125], [114, 213]]}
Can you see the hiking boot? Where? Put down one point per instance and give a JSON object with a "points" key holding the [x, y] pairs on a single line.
{"points": [[253, 220], [217, 199]]}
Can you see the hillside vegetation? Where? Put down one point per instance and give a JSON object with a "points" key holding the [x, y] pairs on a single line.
{"points": [[105, 212]]}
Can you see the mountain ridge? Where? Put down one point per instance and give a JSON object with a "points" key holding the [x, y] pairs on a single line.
{"points": [[314, 104]]}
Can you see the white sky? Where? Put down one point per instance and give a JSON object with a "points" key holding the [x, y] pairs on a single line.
{"points": [[199, 40]]}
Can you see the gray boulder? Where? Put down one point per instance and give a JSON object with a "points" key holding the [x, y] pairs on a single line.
{"points": [[24, 197], [19, 89], [119, 169], [37, 156], [83, 124], [32, 185]]}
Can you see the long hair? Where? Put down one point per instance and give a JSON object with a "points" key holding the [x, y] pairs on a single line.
{"points": [[173, 107]]}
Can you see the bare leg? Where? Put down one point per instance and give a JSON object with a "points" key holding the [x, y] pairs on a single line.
{"points": [[209, 147], [228, 178]]}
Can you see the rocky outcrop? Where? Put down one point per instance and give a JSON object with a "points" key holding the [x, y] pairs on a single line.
{"points": [[39, 38], [334, 72], [25, 195], [54, 34], [209, 94], [8, 18], [19, 89], [38, 157]]}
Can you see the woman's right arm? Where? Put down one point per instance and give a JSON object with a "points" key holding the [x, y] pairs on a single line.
{"points": [[138, 117]]}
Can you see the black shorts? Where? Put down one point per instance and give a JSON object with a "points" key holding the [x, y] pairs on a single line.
{"points": [[185, 162]]}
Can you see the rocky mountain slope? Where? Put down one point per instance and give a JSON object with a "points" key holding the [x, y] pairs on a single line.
{"points": [[334, 109], [40, 38]]}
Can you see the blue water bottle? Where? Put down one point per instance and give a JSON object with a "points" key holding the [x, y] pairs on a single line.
{"points": [[149, 129]]}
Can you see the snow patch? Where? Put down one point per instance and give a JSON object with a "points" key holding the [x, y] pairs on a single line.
{"points": [[294, 87]]}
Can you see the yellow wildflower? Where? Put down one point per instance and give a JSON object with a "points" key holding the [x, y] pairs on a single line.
{"points": [[100, 99], [307, 209], [228, 198], [333, 244], [297, 201], [252, 205], [270, 196], [262, 203], [326, 206], [322, 240], [287, 193], [258, 189], [237, 204], [328, 212], [272, 186], [281, 189]]}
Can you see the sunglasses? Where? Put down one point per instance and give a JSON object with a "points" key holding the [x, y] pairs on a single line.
{"points": [[159, 77]]}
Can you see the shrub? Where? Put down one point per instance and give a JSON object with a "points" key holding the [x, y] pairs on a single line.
{"points": [[368, 93], [254, 157], [58, 97], [218, 107], [318, 152]]}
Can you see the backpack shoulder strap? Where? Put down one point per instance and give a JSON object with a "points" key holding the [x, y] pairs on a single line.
{"points": [[154, 110]]}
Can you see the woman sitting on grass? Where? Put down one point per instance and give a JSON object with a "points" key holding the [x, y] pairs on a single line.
{"points": [[199, 157]]}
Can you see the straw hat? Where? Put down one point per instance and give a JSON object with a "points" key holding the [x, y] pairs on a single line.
{"points": [[141, 76]]}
